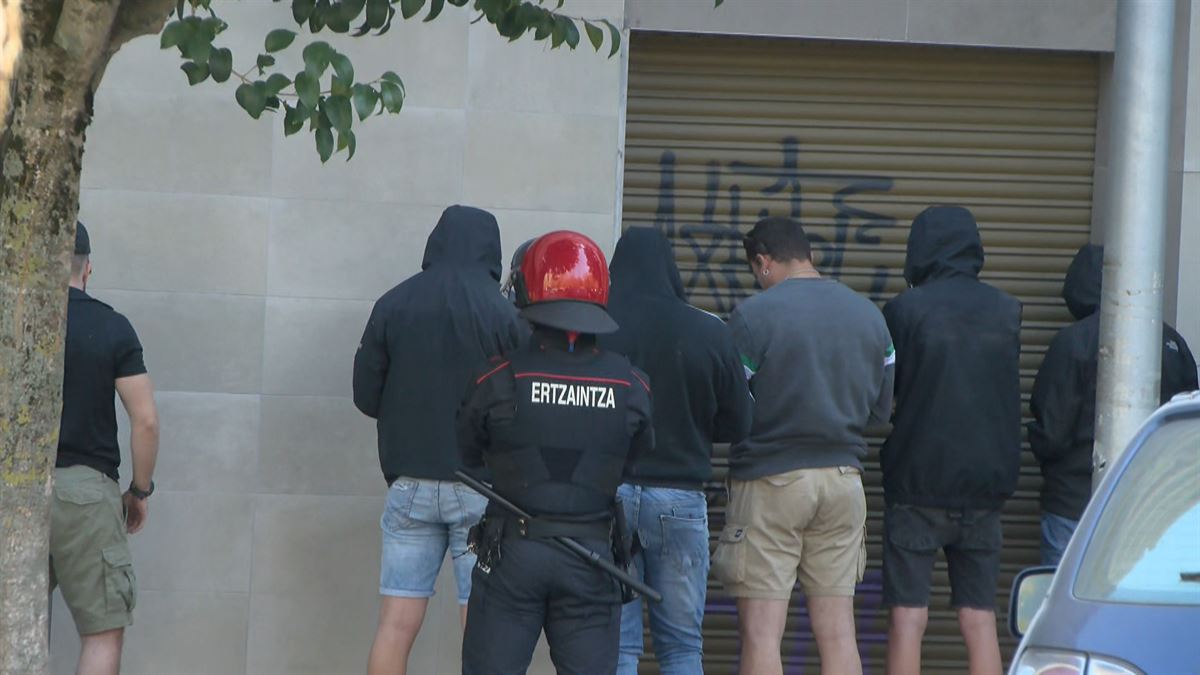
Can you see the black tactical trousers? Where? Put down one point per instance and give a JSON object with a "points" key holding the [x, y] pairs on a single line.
{"points": [[537, 585]]}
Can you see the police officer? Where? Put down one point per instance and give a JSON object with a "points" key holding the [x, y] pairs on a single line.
{"points": [[556, 422]]}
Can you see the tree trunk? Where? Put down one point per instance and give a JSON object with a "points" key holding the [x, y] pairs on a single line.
{"points": [[67, 43]]}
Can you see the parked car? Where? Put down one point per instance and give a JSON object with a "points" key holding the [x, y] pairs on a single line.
{"points": [[1125, 599]]}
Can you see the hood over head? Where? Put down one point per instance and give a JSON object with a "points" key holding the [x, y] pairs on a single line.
{"points": [[465, 236], [643, 263], [1081, 288], [944, 241]]}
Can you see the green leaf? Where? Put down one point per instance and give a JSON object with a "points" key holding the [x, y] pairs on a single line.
{"points": [[409, 8], [348, 10], [392, 95], [276, 83], [214, 25], [196, 72], [293, 120], [595, 35], [387, 25], [175, 34], [338, 23], [392, 77], [324, 144], [303, 9], [316, 22], [198, 47], [558, 34], [316, 57], [339, 87], [377, 13], [220, 63], [719, 3], [365, 100], [343, 67], [251, 99], [435, 8], [572, 36], [337, 109], [264, 61], [346, 140], [614, 35], [545, 26], [308, 89], [279, 39]]}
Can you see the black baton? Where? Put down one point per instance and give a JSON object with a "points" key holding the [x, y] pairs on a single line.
{"points": [[571, 545]]}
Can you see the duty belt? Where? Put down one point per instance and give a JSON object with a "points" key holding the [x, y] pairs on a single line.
{"points": [[599, 527]]}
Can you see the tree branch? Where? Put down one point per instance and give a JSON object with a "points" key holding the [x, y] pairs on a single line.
{"points": [[134, 19], [139, 17], [80, 29]]}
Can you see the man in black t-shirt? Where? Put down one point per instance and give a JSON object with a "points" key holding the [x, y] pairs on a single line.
{"points": [[89, 549]]}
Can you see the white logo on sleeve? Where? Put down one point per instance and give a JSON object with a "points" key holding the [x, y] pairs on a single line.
{"points": [[578, 395]]}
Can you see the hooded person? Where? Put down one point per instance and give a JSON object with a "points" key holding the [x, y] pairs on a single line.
{"points": [[701, 397], [557, 422], [954, 453], [424, 340], [509, 288], [1064, 401]]}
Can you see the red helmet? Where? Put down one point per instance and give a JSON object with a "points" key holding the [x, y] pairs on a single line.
{"points": [[563, 284]]}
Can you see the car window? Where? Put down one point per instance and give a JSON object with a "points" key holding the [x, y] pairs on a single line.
{"points": [[1146, 546]]}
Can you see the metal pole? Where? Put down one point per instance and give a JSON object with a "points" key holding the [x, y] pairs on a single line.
{"points": [[1131, 300]]}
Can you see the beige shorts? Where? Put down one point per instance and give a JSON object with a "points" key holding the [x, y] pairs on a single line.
{"points": [[89, 550], [807, 525]]}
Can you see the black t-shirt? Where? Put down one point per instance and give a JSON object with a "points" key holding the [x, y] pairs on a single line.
{"points": [[101, 347]]}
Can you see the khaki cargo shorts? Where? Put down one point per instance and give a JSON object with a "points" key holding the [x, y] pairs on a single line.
{"points": [[89, 550], [807, 525]]}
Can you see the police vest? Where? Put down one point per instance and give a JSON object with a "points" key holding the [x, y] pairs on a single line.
{"points": [[564, 448]]}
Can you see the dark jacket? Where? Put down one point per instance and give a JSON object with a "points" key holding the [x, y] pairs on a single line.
{"points": [[956, 441], [1064, 392], [557, 427], [424, 340], [700, 391]]}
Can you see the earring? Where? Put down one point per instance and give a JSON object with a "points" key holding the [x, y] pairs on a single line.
{"points": [[766, 272]]}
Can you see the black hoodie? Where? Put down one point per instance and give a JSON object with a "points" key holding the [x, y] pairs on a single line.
{"points": [[956, 440], [1064, 393], [700, 391], [425, 339]]}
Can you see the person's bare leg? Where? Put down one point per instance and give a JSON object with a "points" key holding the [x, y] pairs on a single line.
{"points": [[760, 626], [833, 625], [905, 632], [978, 628], [101, 653], [462, 614], [399, 622]]}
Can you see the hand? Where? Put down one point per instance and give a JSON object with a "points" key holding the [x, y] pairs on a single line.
{"points": [[136, 511]]}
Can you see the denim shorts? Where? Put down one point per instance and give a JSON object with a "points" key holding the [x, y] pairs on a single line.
{"points": [[422, 519]]}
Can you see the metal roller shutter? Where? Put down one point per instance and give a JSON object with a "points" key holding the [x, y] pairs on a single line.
{"points": [[855, 140]]}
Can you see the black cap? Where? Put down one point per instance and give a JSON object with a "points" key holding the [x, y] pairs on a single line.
{"points": [[83, 244]]}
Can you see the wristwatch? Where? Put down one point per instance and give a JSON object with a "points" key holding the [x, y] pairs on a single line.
{"points": [[141, 494]]}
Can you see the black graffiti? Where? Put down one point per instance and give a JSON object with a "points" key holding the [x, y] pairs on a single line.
{"points": [[714, 242]]}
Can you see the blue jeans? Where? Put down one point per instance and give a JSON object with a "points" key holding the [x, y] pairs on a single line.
{"points": [[422, 520], [1056, 533], [672, 526]]}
